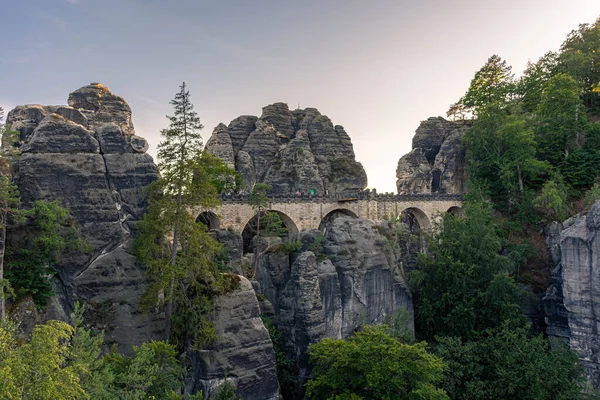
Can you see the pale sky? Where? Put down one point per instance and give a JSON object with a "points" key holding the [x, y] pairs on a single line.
{"points": [[377, 67]]}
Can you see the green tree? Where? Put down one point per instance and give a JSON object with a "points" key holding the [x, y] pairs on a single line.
{"points": [[181, 271], [552, 200], [215, 171], [372, 364], [491, 85], [462, 286], [510, 364], [562, 119], [535, 77], [177, 155], [501, 152], [194, 276], [580, 58], [47, 232], [152, 372], [38, 369]]}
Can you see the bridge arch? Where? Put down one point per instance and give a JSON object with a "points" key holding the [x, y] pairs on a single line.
{"points": [[412, 215], [250, 228], [210, 219], [456, 210], [333, 214]]}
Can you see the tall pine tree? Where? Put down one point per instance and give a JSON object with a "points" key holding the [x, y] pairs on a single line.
{"points": [[181, 145], [179, 252]]}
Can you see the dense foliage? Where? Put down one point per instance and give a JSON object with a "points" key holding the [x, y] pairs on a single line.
{"points": [[45, 234], [533, 144], [468, 307], [372, 364], [63, 362], [462, 284]]}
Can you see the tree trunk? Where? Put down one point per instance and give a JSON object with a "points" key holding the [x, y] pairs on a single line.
{"points": [[169, 306], [520, 179]]}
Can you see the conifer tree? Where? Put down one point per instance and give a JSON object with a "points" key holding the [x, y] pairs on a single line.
{"points": [[180, 148], [178, 252]]}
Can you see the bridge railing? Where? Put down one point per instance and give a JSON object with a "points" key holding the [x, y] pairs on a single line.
{"points": [[362, 195]]}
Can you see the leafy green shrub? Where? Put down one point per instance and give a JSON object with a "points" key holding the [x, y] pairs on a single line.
{"points": [[226, 392], [287, 371], [592, 196], [292, 247], [44, 236], [317, 247]]}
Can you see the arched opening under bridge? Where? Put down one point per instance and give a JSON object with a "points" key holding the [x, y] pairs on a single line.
{"points": [[456, 211], [272, 223], [338, 212], [415, 219], [410, 236], [209, 219]]}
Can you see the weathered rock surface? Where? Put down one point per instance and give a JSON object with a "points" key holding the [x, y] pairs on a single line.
{"points": [[436, 162], [293, 151], [572, 302], [221, 145], [233, 246], [87, 157], [353, 280], [243, 352]]}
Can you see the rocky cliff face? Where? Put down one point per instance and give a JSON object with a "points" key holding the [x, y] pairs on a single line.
{"points": [[352, 280], [292, 151], [572, 303], [243, 353], [86, 155], [436, 162]]}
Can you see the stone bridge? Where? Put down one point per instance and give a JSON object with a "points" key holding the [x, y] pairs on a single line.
{"points": [[309, 212]]}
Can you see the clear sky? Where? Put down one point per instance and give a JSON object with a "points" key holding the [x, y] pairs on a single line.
{"points": [[377, 67]]}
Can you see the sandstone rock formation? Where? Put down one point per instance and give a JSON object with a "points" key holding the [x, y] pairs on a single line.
{"points": [[436, 162], [86, 156], [293, 151], [572, 302], [243, 353], [352, 279]]}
